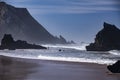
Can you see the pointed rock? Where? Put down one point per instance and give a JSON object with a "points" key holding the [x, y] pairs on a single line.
{"points": [[106, 39]]}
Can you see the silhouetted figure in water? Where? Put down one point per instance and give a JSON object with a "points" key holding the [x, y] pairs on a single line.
{"points": [[60, 50], [115, 68]]}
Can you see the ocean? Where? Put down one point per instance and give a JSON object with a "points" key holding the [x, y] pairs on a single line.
{"points": [[70, 53]]}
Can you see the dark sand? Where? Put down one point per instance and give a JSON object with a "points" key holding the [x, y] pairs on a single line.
{"points": [[28, 69]]}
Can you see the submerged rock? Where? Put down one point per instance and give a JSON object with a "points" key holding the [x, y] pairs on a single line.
{"points": [[115, 68], [106, 39], [9, 43]]}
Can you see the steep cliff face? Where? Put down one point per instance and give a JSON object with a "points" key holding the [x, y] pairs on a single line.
{"points": [[106, 39], [19, 23]]}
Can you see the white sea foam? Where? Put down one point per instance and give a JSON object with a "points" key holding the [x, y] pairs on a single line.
{"points": [[69, 46], [71, 53], [54, 54], [115, 52], [72, 59]]}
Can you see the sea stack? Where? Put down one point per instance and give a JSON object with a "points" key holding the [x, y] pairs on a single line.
{"points": [[9, 43], [106, 39], [21, 25]]}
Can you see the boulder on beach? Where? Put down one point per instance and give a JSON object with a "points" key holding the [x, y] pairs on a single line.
{"points": [[9, 43], [115, 68], [106, 39]]}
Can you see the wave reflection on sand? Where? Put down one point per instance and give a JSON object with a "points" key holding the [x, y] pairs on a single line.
{"points": [[13, 69]]}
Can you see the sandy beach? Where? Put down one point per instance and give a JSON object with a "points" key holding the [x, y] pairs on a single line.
{"points": [[29, 69]]}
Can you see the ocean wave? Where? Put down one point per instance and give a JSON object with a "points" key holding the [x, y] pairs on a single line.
{"points": [[54, 54], [69, 46], [73, 59], [115, 52]]}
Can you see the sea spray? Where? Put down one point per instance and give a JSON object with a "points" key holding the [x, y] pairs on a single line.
{"points": [[69, 53], [115, 52], [69, 46]]}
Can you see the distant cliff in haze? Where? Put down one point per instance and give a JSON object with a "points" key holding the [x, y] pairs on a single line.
{"points": [[21, 25]]}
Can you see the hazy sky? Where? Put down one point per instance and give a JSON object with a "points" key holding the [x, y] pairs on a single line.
{"points": [[77, 20]]}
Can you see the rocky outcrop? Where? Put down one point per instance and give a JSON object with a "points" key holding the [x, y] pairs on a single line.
{"points": [[115, 68], [19, 23], [106, 39], [9, 43]]}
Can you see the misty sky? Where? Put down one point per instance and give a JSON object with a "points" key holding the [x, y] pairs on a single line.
{"points": [[77, 20]]}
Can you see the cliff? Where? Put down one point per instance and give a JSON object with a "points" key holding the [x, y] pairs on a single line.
{"points": [[106, 39], [21, 25]]}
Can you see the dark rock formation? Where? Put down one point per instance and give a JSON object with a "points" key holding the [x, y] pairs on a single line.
{"points": [[21, 25], [9, 43], [106, 39], [115, 68]]}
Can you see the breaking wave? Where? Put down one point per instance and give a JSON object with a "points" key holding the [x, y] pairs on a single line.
{"points": [[70, 53], [115, 52], [69, 46]]}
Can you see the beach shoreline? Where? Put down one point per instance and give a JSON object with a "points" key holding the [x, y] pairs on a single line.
{"points": [[12, 68]]}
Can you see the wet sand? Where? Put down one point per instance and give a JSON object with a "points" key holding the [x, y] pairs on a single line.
{"points": [[28, 69]]}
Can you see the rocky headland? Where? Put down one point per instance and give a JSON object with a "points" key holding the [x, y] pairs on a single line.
{"points": [[9, 43], [21, 25]]}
